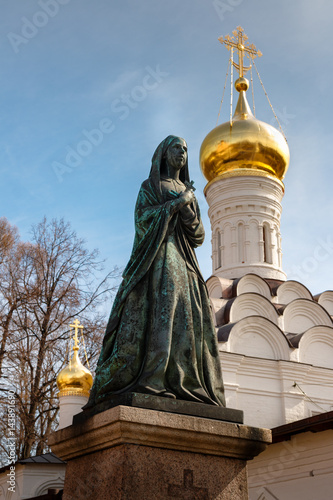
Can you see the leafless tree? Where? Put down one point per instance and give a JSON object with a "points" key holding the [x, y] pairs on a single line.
{"points": [[44, 284], [8, 266], [8, 237]]}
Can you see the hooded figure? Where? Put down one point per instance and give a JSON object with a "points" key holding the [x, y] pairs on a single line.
{"points": [[160, 337]]}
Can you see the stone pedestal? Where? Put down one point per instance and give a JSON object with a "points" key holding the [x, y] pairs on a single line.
{"points": [[132, 453]]}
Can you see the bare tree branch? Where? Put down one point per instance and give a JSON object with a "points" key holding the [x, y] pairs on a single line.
{"points": [[44, 285]]}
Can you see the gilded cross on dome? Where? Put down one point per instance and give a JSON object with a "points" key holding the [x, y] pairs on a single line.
{"points": [[238, 41], [76, 325]]}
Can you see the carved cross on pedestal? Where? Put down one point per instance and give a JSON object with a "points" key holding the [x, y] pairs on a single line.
{"points": [[187, 491]]}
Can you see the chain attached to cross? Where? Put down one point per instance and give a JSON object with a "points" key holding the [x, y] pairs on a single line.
{"points": [[238, 42]]}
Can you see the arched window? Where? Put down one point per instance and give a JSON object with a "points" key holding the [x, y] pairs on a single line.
{"points": [[241, 243], [219, 250], [267, 243]]}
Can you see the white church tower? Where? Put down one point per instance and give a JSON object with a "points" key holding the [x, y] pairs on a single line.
{"points": [[275, 337], [244, 161]]}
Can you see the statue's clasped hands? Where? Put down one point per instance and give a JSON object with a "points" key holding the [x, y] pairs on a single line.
{"points": [[183, 200], [185, 197]]}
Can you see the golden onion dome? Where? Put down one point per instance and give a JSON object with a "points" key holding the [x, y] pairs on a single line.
{"points": [[245, 146], [75, 379]]}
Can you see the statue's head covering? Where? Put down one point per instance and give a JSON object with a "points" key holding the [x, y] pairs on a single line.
{"points": [[159, 158]]}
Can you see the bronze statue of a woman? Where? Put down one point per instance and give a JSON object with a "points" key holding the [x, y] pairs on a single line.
{"points": [[160, 338]]}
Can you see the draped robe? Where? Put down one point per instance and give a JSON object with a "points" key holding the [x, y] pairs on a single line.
{"points": [[160, 338]]}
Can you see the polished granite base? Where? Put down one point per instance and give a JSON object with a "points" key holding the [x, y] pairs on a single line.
{"points": [[132, 453], [150, 402]]}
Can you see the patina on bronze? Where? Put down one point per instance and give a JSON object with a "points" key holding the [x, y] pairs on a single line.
{"points": [[160, 339]]}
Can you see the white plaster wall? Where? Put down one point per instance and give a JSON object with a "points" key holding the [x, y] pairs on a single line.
{"points": [[264, 389], [320, 353], [239, 209], [302, 314], [252, 283], [291, 290], [301, 468], [252, 304], [68, 407], [326, 300], [259, 337], [33, 480]]}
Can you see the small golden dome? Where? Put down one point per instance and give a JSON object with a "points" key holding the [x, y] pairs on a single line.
{"points": [[245, 146], [75, 379]]}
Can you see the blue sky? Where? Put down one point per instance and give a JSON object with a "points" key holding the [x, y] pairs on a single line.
{"points": [[89, 89]]}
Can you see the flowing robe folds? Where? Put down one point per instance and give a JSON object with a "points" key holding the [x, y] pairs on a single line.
{"points": [[160, 338]]}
